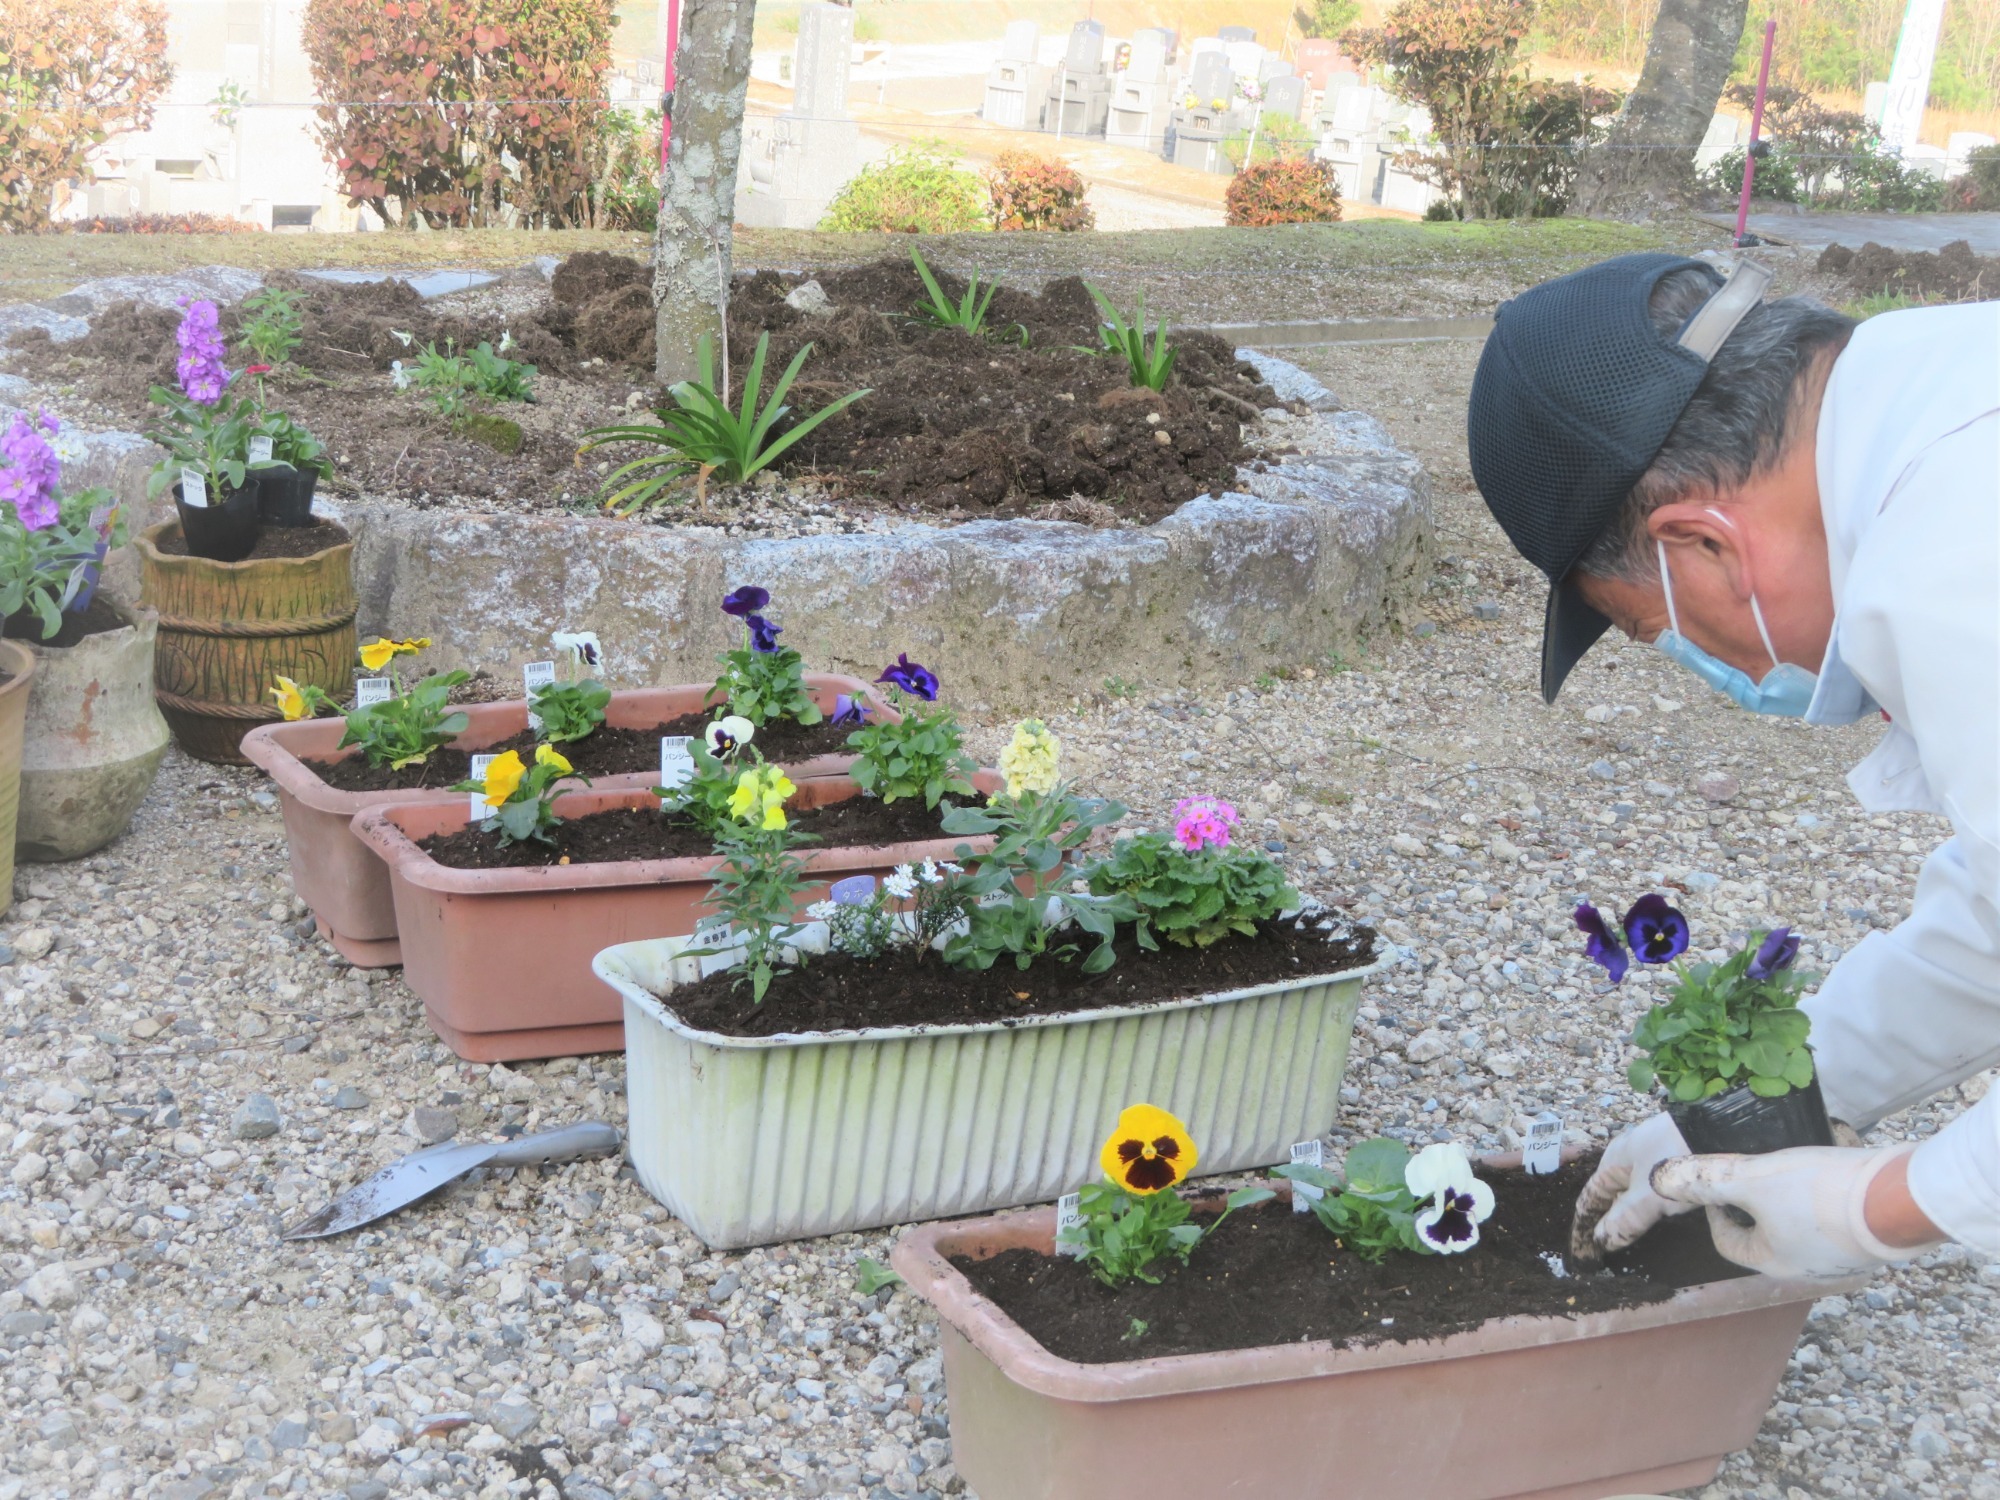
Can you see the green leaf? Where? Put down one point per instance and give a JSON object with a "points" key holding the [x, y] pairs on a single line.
{"points": [[871, 1276], [1798, 1070], [1769, 1088], [1377, 1165]]}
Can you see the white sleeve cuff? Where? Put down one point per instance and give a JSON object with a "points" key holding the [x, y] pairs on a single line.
{"points": [[1955, 1177]]}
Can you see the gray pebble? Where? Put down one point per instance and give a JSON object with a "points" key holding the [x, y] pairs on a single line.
{"points": [[350, 1097], [256, 1119]]}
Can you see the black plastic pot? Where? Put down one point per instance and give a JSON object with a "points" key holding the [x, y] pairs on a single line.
{"points": [[1740, 1121], [285, 494], [225, 529]]}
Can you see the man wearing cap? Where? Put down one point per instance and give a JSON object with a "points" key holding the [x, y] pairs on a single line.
{"points": [[1805, 512]]}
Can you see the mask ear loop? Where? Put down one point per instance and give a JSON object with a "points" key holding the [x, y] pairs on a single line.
{"points": [[1756, 610]]}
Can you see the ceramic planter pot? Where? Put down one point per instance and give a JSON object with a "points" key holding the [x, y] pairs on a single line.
{"points": [[229, 630], [1527, 1408], [1738, 1120], [17, 663], [93, 739], [751, 1140], [502, 958], [341, 878]]}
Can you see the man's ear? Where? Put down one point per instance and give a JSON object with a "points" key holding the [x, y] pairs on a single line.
{"points": [[1699, 537]]}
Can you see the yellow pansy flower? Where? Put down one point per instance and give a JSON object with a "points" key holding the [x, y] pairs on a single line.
{"points": [[548, 755], [291, 702], [502, 777], [1148, 1151], [379, 652], [1032, 760]]}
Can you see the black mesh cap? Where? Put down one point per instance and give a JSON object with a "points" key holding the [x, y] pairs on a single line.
{"points": [[1574, 395]]}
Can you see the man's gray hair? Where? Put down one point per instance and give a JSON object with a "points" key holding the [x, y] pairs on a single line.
{"points": [[1742, 419]]}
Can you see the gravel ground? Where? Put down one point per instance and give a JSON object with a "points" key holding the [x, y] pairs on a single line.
{"points": [[181, 1070]]}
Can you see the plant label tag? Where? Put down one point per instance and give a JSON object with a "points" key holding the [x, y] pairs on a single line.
{"points": [[1307, 1154], [194, 489], [1069, 1215], [372, 690], [676, 761], [260, 450], [479, 808], [535, 676], [1542, 1153], [582, 648], [715, 933]]}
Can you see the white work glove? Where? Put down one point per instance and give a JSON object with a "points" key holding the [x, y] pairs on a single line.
{"points": [[1797, 1213], [1618, 1204]]}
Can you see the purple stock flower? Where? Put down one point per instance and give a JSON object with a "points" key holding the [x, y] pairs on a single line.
{"points": [[855, 890], [745, 601], [913, 678], [200, 367], [849, 708], [1774, 954], [30, 470], [763, 634], [1602, 946], [1657, 932]]}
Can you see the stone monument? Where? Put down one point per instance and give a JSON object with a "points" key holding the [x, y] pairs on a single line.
{"points": [[1142, 95], [1017, 84], [795, 163], [1079, 97]]}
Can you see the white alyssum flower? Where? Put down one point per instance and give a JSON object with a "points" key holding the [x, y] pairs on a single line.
{"points": [[823, 911]]}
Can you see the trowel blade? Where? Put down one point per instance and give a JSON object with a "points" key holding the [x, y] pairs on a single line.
{"points": [[396, 1186]]}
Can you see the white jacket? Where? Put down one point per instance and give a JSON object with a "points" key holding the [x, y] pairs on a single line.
{"points": [[1909, 479]]}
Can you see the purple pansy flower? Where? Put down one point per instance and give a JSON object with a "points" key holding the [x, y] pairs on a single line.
{"points": [[1602, 947], [200, 366], [747, 600], [912, 677], [1774, 954], [30, 470], [849, 708], [855, 890], [1657, 932], [763, 634]]}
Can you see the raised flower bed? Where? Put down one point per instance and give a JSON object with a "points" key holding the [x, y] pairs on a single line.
{"points": [[1287, 1367]]}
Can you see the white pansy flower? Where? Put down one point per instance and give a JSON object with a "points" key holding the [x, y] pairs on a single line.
{"points": [[729, 734], [1459, 1201]]}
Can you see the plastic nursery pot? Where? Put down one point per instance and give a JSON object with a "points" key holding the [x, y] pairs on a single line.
{"points": [[502, 958], [225, 529], [1526, 1408], [1738, 1120], [342, 879], [94, 738], [285, 495], [753, 1140]]}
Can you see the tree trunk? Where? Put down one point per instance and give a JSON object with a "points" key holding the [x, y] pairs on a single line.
{"points": [[1687, 63], [697, 210]]}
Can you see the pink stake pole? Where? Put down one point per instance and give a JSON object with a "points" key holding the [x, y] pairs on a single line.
{"points": [[673, 9], [1756, 127]]}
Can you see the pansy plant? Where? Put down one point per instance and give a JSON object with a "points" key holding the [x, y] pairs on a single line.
{"points": [[761, 879], [570, 711], [762, 680], [719, 757], [920, 756], [1196, 885], [401, 730], [1133, 1222], [1722, 1025], [1386, 1200], [522, 794]]}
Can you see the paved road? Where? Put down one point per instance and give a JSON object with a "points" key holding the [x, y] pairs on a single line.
{"points": [[1897, 231]]}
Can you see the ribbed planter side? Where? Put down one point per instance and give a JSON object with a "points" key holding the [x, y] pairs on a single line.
{"points": [[18, 663], [228, 630], [94, 738], [754, 1140]]}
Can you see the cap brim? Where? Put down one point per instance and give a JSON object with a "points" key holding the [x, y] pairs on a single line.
{"points": [[1570, 629]]}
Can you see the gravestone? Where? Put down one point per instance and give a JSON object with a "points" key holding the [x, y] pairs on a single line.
{"points": [[1141, 96], [821, 61], [1017, 84], [1022, 43], [1168, 39], [1079, 97], [1318, 61], [1273, 66], [1284, 98], [1245, 58], [1085, 54], [1236, 34], [1211, 80], [1152, 50], [794, 163]]}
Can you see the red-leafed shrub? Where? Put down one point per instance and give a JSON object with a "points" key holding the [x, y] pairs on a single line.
{"points": [[1296, 190], [189, 223], [506, 123], [72, 74], [1031, 191]]}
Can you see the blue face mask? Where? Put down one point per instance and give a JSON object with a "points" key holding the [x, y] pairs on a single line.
{"points": [[1786, 690]]}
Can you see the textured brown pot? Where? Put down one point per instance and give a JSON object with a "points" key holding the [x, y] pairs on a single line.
{"points": [[94, 738], [501, 958], [1527, 1408], [18, 663], [229, 630], [340, 877]]}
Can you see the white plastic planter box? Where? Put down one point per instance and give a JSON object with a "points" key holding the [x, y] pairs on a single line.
{"points": [[752, 1140]]}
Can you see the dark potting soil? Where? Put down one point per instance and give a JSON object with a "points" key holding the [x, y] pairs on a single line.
{"points": [[98, 618], [838, 993], [1952, 274], [640, 833], [277, 541], [605, 751], [1270, 1276]]}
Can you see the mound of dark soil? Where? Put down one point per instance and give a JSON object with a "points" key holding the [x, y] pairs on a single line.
{"points": [[1953, 274], [589, 274]]}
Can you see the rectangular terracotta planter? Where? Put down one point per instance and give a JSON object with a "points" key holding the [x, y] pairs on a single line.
{"points": [[502, 958], [1527, 1408], [752, 1140], [343, 881]]}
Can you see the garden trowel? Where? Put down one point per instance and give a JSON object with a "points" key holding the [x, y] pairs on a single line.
{"points": [[422, 1172]]}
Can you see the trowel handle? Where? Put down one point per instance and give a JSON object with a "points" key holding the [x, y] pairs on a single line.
{"points": [[586, 1138]]}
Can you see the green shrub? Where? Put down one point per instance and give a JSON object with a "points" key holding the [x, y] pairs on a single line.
{"points": [[1301, 190], [916, 189], [1278, 139], [1979, 188]]}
